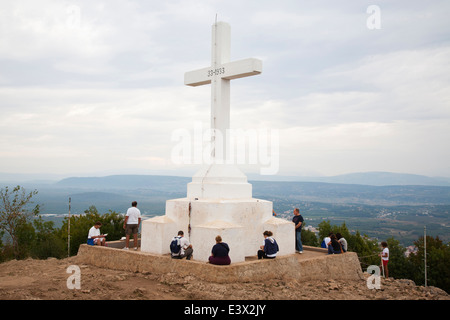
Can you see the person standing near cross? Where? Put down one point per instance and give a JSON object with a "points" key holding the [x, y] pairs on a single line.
{"points": [[219, 75], [131, 225]]}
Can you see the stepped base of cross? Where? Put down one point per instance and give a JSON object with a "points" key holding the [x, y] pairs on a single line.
{"points": [[219, 202]]}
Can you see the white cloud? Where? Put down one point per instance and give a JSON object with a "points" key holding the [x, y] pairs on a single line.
{"points": [[415, 80], [96, 124], [368, 146], [99, 85]]}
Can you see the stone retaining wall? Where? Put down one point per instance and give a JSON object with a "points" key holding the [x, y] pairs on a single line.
{"points": [[342, 266]]}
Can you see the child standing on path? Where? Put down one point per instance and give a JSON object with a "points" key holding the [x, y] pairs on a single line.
{"points": [[385, 258]]}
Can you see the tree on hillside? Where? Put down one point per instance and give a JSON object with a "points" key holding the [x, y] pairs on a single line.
{"points": [[399, 266], [438, 263], [39, 239], [309, 238], [46, 242], [366, 248], [25, 235], [15, 212], [325, 227], [3, 255], [112, 224]]}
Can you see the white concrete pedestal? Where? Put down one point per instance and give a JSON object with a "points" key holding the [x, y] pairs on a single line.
{"points": [[219, 202]]}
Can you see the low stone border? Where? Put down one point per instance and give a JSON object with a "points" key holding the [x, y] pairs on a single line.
{"points": [[341, 266]]}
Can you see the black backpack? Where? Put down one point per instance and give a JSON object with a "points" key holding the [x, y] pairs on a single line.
{"points": [[175, 246]]}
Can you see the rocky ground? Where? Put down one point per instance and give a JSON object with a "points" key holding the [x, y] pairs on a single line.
{"points": [[47, 280]]}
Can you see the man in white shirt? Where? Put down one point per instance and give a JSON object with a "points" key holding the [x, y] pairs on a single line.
{"points": [[94, 236], [327, 240], [186, 247], [131, 224]]}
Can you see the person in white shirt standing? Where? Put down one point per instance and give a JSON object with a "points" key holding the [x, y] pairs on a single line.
{"points": [[131, 224], [385, 258]]}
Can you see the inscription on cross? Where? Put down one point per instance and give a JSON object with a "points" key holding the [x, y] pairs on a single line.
{"points": [[219, 75]]}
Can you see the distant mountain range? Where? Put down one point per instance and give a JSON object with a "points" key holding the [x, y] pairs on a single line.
{"points": [[362, 178], [160, 183], [381, 204], [366, 178], [116, 192]]}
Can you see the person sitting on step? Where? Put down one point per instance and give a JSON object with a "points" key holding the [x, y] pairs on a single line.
{"points": [[269, 248]]}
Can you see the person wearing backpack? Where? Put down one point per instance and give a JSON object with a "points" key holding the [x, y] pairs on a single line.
{"points": [[180, 247], [269, 248]]}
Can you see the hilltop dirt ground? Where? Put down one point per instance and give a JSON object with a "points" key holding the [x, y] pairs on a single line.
{"points": [[47, 280]]}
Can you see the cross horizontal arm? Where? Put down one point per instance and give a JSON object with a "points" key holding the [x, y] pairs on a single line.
{"points": [[227, 71], [242, 68]]}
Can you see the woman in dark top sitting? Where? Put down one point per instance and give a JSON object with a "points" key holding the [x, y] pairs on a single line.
{"points": [[334, 246], [269, 248], [219, 253]]}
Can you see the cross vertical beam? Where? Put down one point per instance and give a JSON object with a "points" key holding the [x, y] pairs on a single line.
{"points": [[219, 75], [220, 89]]}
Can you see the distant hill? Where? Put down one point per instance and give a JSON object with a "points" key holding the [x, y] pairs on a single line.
{"points": [[386, 179], [110, 193], [353, 193], [169, 186], [151, 191], [120, 182], [378, 210], [170, 182], [366, 178], [374, 178]]}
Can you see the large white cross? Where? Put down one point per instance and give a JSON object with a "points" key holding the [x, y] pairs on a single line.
{"points": [[219, 75]]}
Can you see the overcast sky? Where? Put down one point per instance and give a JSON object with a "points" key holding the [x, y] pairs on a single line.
{"points": [[97, 87]]}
